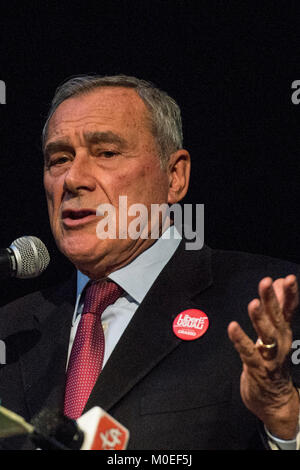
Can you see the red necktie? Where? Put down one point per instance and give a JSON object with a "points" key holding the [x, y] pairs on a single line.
{"points": [[87, 354]]}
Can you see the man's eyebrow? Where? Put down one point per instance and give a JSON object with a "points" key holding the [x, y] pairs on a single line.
{"points": [[107, 137], [57, 146], [91, 137]]}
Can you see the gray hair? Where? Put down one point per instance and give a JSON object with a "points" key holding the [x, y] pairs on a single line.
{"points": [[165, 115]]}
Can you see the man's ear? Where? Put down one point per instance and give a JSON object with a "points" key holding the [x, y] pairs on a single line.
{"points": [[179, 167]]}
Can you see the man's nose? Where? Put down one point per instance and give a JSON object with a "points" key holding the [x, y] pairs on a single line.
{"points": [[80, 175]]}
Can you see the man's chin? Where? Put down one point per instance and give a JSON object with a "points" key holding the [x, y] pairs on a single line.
{"points": [[87, 263], [92, 256], [95, 257], [82, 250]]}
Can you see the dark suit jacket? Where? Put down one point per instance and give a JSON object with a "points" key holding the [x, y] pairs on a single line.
{"points": [[171, 394]]}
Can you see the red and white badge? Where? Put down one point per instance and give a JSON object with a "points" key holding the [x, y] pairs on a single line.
{"points": [[190, 324]]}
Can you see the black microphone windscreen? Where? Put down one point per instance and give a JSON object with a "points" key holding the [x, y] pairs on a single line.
{"points": [[52, 426]]}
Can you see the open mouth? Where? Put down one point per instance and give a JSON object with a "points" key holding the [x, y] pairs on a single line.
{"points": [[77, 217]]}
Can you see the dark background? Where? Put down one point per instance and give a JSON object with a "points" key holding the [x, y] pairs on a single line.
{"points": [[229, 65]]}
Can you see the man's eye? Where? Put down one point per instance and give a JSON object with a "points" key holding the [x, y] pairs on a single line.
{"points": [[105, 153], [58, 160], [108, 153]]}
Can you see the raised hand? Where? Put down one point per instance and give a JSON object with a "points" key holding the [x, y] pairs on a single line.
{"points": [[266, 386]]}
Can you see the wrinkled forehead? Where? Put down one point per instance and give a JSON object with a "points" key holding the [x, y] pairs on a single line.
{"points": [[117, 107]]}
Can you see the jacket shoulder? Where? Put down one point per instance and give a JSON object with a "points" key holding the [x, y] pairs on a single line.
{"points": [[16, 314], [241, 262]]}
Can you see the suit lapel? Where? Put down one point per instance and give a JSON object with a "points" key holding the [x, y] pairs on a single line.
{"points": [[43, 367], [149, 336]]}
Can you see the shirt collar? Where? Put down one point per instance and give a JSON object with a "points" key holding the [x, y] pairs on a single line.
{"points": [[137, 277]]}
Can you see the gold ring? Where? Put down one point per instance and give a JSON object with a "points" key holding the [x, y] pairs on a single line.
{"points": [[266, 346]]}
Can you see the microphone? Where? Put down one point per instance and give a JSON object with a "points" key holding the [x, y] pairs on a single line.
{"points": [[102, 431], [51, 430], [27, 257], [54, 431]]}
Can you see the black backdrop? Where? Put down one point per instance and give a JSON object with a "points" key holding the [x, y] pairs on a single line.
{"points": [[230, 66]]}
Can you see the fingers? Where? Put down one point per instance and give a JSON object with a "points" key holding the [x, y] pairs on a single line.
{"points": [[243, 344], [291, 300], [269, 301], [262, 322], [286, 291], [270, 316], [279, 298]]}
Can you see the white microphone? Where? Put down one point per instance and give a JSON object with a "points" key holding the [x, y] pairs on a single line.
{"points": [[26, 257], [102, 431]]}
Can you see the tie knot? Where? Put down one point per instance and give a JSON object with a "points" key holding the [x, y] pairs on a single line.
{"points": [[99, 295]]}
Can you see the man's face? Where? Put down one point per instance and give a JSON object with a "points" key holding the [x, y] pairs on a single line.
{"points": [[99, 146]]}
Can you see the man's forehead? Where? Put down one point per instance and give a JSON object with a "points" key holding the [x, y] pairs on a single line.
{"points": [[100, 106], [110, 100]]}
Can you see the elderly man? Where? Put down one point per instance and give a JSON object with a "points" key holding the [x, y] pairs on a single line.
{"points": [[110, 336]]}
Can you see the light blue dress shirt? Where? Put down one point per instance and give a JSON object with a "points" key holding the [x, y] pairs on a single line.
{"points": [[136, 278]]}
